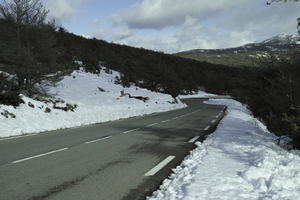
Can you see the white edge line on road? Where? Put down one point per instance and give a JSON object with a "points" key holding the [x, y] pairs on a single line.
{"points": [[40, 155], [131, 130], [15, 137], [194, 139], [100, 139], [158, 167], [165, 121], [213, 121], [207, 128], [152, 124]]}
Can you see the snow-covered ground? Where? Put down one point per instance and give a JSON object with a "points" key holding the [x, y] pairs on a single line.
{"points": [[239, 161], [97, 98], [199, 94]]}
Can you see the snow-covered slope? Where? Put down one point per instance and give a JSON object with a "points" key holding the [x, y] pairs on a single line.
{"points": [[97, 98], [283, 39], [239, 161]]}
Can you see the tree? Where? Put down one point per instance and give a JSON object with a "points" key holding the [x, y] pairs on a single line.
{"points": [[29, 38], [24, 12]]}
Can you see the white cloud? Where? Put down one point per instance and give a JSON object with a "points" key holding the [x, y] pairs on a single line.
{"points": [[122, 34], [204, 23], [114, 35], [157, 14], [62, 9], [178, 25]]}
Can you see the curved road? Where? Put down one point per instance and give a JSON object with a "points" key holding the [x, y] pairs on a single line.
{"points": [[126, 159]]}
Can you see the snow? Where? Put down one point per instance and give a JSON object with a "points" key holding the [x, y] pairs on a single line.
{"points": [[239, 161], [283, 39], [260, 55], [199, 94], [93, 106]]}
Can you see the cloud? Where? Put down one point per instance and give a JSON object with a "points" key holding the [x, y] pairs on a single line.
{"points": [[203, 23], [157, 14], [62, 9], [114, 35], [122, 34], [190, 37]]}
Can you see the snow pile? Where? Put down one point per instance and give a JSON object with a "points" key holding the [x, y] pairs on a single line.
{"points": [[97, 98], [199, 94], [238, 161]]}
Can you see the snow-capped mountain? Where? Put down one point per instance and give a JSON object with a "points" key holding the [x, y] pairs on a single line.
{"points": [[279, 43], [283, 39]]}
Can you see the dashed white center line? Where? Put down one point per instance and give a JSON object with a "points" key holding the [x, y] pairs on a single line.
{"points": [[40, 155], [100, 139], [165, 121], [131, 130], [194, 139], [152, 124], [213, 121], [158, 167], [207, 128]]}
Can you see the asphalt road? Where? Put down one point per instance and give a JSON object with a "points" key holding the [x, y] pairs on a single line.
{"points": [[125, 159]]}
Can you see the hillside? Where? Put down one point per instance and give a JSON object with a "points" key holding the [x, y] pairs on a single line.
{"points": [[81, 98], [272, 94], [281, 46]]}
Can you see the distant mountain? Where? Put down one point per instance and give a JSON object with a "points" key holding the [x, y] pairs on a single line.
{"points": [[279, 43], [249, 54]]}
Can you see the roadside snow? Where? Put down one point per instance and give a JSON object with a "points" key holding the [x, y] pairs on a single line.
{"points": [[98, 100], [199, 94], [239, 161]]}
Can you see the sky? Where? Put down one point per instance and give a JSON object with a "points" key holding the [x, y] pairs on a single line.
{"points": [[176, 25]]}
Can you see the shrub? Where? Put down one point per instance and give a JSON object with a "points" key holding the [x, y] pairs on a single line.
{"points": [[11, 98]]}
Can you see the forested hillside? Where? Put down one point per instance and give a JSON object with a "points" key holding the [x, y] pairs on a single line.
{"points": [[31, 50]]}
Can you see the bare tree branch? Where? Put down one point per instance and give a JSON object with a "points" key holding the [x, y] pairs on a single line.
{"points": [[25, 12], [269, 2]]}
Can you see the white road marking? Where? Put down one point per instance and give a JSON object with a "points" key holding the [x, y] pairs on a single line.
{"points": [[213, 121], [21, 136], [194, 139], [165, 121], [100, 139], [131, 130], [187, 114], [152, 124], [158, 167], [40, 155], [207, 128], [217, 116]]}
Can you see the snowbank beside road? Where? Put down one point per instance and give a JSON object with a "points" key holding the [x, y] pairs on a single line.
{"points": [[97, 98], [199, 94], [239, 161], [202, 94]]}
